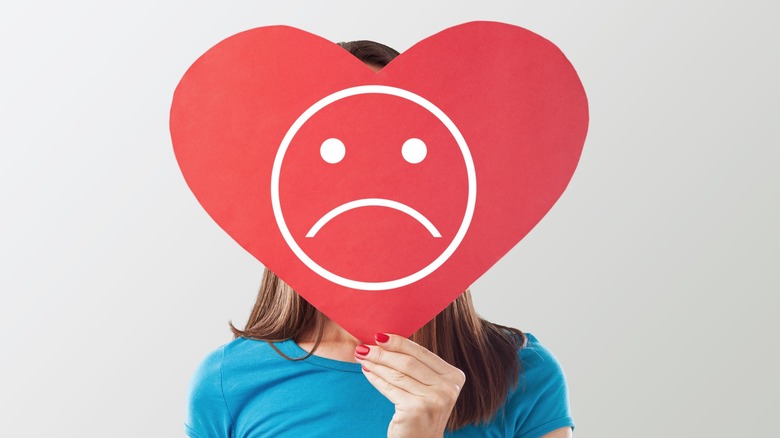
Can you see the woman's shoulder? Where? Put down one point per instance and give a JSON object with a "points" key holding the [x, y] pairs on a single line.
{"points": [[222, 379], [539, 367], [240, 352], [210, 372], [536, 356], [540, 400]]}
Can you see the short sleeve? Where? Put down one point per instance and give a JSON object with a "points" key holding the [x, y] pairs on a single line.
{"points": [[207, 414], [540, 402]]}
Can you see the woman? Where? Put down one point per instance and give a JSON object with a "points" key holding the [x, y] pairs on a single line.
{"points": [[458, 376]]}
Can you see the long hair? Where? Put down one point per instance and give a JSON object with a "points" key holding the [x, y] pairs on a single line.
{"points": [[487, 353]]}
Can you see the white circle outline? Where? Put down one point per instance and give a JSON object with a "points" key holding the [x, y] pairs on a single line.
{"points": [[379, 285]]}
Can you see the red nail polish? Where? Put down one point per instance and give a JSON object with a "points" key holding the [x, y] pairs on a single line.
{"points": [[381, 338], [365, 369], [362, 350]]}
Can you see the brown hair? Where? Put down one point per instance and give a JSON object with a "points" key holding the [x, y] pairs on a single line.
{"points": [[370, 52], [487, 353]]}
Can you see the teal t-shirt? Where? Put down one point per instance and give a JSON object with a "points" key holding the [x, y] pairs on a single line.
{"points": [[245, 389]]}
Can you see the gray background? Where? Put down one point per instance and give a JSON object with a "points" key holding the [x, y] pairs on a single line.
{"points": [[654, 279]]}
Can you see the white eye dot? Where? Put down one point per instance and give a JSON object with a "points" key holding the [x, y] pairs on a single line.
{"points": [[414, 150], [332, 150]]}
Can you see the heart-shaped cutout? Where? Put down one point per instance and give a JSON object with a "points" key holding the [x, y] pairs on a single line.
{"points": [[379, 197]]}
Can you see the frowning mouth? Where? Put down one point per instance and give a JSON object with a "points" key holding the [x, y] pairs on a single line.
{"points": [[373, 202]]}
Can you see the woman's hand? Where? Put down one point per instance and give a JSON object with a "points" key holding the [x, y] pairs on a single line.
{"points": [[422, 386]]}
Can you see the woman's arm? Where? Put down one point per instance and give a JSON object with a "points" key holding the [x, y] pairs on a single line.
{"points": [[564, 432], [421, 385]]}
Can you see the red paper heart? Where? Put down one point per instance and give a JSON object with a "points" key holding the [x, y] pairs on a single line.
{"points": [[380, 197]]}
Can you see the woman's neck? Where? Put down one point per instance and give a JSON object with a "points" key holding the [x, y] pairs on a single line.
{"points": [[336, 343]]}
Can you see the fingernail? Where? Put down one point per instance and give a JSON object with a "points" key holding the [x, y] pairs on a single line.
{"points": [[365, 369], [381, 338], [362, 350]]}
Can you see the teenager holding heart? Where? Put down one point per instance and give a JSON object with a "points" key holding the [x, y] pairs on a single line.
{"points": [[458, 376]]}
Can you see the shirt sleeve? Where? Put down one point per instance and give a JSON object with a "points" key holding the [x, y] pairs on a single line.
{"points": [[540, 402], [207, 414]]}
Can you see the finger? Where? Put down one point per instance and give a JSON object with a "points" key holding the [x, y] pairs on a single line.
{"points": [[396, 395], [400, 344], [401, 363], [397, 378]]}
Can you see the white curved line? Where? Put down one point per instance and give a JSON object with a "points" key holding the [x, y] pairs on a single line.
{"points": [[374, 202]]}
